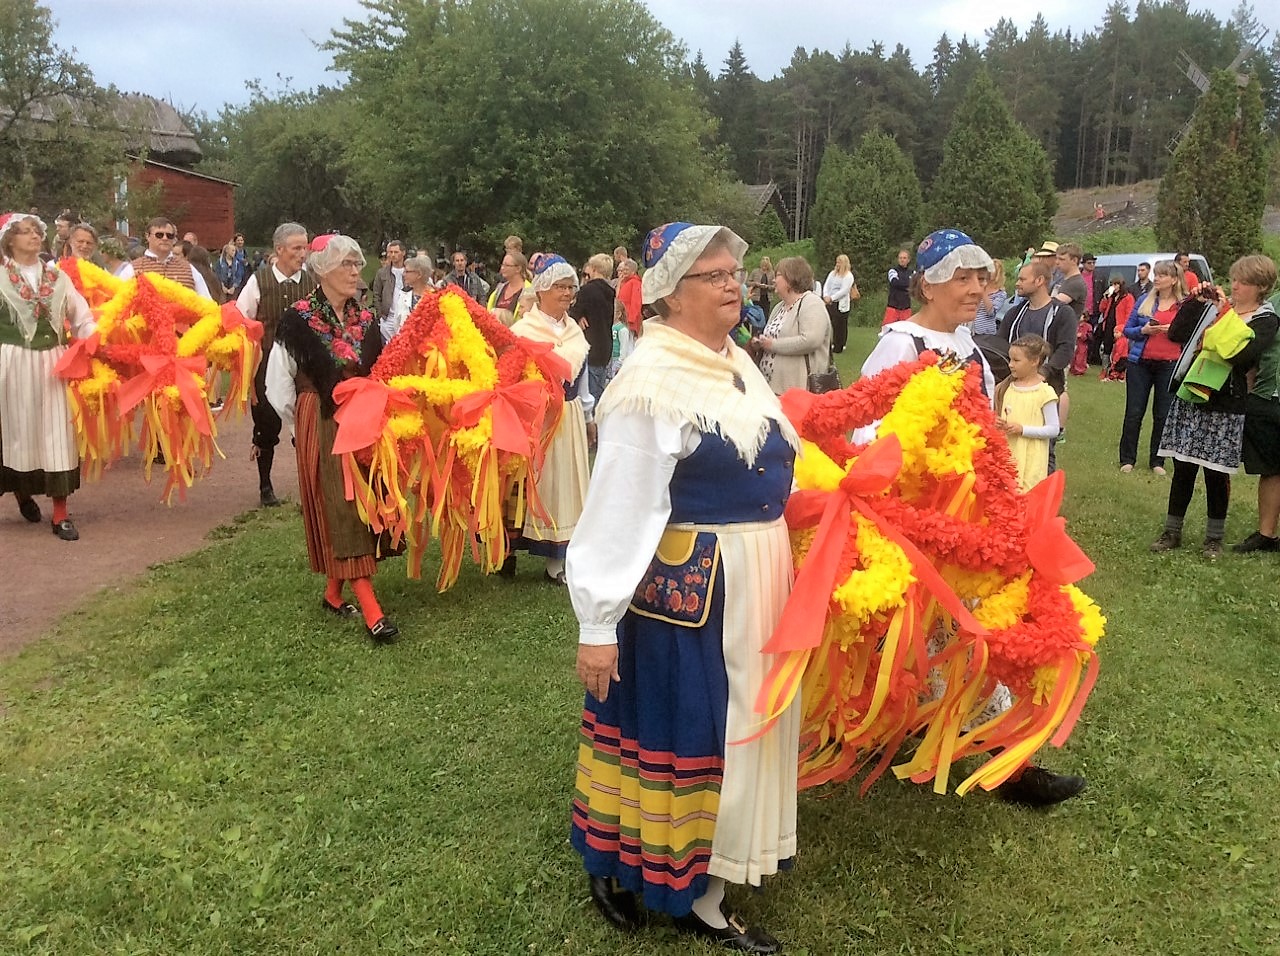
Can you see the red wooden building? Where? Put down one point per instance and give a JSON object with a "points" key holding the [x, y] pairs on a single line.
{"points": [[195, 202], [165, 149]]}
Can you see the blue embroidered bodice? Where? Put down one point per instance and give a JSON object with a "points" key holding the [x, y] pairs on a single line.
{"points": [[715, 486]]}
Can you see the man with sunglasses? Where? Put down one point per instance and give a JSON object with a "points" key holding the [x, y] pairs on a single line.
{"points": [[159, 258]]}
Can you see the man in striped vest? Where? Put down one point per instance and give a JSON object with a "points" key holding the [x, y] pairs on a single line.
{"points": [[265, 297], [159, 258]]}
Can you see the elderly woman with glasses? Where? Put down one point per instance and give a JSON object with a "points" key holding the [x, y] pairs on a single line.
{"points": [[321, 341], [38, 305], [562, 483], [678, 571], [951, 282]]}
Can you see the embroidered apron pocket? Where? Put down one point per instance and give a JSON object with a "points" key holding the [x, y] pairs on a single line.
{"points": [[677, 586]]}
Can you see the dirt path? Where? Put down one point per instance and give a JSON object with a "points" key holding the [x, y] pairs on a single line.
{"points": [[124, 529]]}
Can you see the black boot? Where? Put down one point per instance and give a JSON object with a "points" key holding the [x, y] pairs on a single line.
{"points": [[266, 493], [616, 905], [1037, 787]]}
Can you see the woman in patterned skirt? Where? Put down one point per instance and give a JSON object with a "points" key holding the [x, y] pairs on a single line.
{"points": [[678, 572], [320, 341], [1209, 435]]}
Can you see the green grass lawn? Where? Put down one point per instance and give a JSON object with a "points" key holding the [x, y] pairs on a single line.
{"points": [[208, 764]]}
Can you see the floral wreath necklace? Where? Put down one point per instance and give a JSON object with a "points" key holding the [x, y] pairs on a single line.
{"points": [[344, 341], [39, 297]]}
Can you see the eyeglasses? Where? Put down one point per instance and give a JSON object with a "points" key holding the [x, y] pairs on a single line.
{"points": [[720, 277], [354, 265], [165, 235]]}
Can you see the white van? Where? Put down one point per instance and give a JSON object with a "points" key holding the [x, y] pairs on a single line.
{"points": [[1126, 264]]}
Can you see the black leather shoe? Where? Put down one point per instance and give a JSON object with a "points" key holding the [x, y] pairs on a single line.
{"points": [[384, 632], [508, 569], [268, 498], [736, 936], [1255, 542], [618, 906], [1037, 787], [29, 509], [344, 609], [66, 530]]}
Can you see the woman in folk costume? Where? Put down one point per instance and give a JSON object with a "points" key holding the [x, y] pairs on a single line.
{"points": [[321, 341], [38, 305], [678, 572], [562, 483]]}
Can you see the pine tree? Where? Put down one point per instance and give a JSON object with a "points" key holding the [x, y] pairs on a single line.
{"points": [[770, 232], [1213, 195], [737, 99], [995, 181], [868, 205]]}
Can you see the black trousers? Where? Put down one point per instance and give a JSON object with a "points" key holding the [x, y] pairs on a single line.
{"points": [[266, 423], [839, 327]]}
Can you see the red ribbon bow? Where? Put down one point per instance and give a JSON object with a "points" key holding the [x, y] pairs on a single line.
{"points": [[187, 376], [362, 405], [872, 473], [1049, 548], [233, 318], [517, 412], [74, 364], [553, 367]]}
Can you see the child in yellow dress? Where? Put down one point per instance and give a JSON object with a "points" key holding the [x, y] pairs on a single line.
{"points": [[1027, 410]]}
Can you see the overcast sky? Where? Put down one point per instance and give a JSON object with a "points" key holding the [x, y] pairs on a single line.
{"points": [[200, 54]]}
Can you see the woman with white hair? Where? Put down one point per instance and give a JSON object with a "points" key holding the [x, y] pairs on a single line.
{"points": [[678, 572], [562, 483], [321, 341], [38, 453]]}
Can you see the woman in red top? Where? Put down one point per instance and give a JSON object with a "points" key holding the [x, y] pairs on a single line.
{"points": [[1117, 304], [1151, 360]]}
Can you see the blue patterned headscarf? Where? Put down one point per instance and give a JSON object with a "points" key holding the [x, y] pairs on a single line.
{"points": [[941, 253], [548, 269], [670, 250]]}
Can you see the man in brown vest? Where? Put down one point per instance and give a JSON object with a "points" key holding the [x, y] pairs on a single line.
{"points": [[265, 297], [159, 258]]}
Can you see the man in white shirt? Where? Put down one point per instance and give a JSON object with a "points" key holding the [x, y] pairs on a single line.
{"points": [[388, 280], [159, 258], [265, 297]]}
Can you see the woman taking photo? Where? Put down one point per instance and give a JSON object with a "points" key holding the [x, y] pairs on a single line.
{"points": [[691, 479], [1152, 356], [796, 341], [38, 452], [1115, 309], [321, 341], [836, 294], [1209, 435], [987, 319]]}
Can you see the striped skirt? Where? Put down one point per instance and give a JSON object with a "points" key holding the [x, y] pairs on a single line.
{"points": [[661, 801], [38, 454], [339, 544]]}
